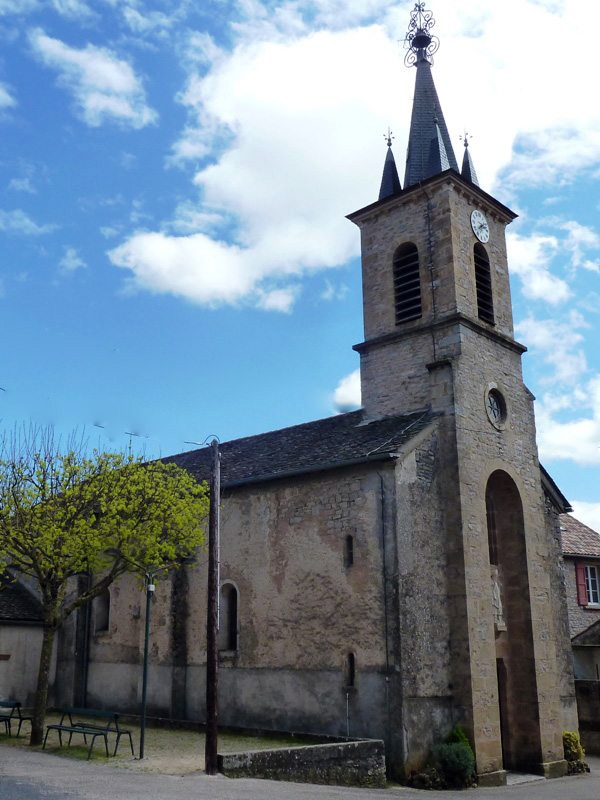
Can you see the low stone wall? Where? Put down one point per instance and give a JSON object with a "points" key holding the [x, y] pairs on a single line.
{"points": [[360, 763]]}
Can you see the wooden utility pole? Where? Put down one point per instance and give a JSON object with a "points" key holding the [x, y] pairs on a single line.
{"points": [[212, 615]]}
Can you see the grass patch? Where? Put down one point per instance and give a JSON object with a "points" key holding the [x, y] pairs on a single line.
{"points": [[171, 751]]}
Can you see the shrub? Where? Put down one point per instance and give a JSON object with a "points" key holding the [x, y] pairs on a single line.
{"points": [[457, 734], [572, 746], [455, 762]]}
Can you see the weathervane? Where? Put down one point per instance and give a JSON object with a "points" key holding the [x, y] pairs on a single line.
{"points": [[465, 138], [420, 43], [388, 137]]}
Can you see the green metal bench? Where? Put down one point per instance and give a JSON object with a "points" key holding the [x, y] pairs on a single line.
{"points": [[85, 728], [15, 715]]}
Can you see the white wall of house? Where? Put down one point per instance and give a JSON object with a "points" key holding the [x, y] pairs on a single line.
{"points": [[20, 647]]}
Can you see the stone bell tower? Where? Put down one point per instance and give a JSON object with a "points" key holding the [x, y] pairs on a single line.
{"points": [[438, 336]]}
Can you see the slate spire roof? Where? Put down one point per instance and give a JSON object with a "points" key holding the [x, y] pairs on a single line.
{"points": [[468, 170], [390, 182], [429, 146]]}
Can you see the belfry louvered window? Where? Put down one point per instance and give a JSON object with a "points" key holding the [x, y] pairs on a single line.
{"points": [[407, 283], [483, 284]]}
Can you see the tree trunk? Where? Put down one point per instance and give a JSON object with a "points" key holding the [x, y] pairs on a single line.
{"points": [[41, 692]]}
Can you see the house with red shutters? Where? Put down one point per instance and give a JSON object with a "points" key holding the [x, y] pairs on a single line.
{"points": [[581, 552]]}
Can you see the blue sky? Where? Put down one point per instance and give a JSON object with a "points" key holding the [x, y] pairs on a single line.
{"points": [[174, 180]]}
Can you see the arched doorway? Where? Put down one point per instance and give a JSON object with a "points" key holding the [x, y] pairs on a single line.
{"points": [[515, 660]]}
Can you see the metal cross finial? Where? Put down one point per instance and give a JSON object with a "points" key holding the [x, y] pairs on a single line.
{"points": [[388, 137], [419, 42]]}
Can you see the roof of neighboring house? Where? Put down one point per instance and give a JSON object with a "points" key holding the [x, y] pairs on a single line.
{"points": [[328, 443], [590, 636], [17, 604], [578, 539]]}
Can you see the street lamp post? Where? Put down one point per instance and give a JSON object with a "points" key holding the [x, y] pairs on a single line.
{"points": [[150, 588], [149, 576], [212, 615]]}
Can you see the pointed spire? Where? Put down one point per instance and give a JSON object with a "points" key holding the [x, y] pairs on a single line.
{"points": [[468, 170], [429, 146], [438, 157], [390, 182]]}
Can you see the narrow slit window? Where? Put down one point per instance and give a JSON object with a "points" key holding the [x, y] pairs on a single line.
{"points": [[102, 612], [349, 551], [491, 527], [228, 623], [350, 671], [407, 283], [483, 285]]}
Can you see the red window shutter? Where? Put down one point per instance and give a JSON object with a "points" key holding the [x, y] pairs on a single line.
{"points": [[582, 597]]}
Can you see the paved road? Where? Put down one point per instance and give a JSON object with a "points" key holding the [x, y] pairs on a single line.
{"points": [[28, 775]]}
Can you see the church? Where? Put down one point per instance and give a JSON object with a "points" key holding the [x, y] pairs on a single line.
{"points": [[393, 571]]}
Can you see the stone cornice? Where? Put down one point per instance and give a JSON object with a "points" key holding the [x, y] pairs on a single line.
{"points": [[458, 318]]}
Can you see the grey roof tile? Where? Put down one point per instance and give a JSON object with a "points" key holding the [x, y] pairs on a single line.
{"points": [[17, 604], [311, 447], [426, 112], [390, 182], [468, 170]]}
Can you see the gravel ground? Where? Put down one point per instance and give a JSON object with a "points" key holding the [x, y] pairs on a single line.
{"points": [[166, 750]]}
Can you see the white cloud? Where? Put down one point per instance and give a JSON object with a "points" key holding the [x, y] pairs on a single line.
{"points": [[144, 21], [190, 218], [22, 185], [71, 261], [76, 9], [7, 99], [529, 257], [278, 299], [333, 292], [17, 221], [346, 396], [559, 343], [8, 7], [588, 513], [576, 436], [110, 231], [580, 239], [105, 87], [283, 198], [285, 128]]}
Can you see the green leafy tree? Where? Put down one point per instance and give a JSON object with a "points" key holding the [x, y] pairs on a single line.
{"points": [[61, 510]]}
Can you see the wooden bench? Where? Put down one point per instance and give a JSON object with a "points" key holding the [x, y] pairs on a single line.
{"points": [[15, 715], [109, 724]]}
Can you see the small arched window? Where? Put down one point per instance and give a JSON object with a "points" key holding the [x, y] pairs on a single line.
{"points": [[228, 622], [349, 551], [407, 283], [483, 284], [102, 612]]}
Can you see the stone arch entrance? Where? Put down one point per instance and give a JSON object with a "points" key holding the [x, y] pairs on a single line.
{"points": [[515, 661]]}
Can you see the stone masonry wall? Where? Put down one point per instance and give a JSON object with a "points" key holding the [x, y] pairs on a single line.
{"points": [[394, 358], [344, 764], [423, 603], [301, 611], [482, 448]]}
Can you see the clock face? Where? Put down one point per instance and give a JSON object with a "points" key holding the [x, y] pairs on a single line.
{"points": [[480, 226]]}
